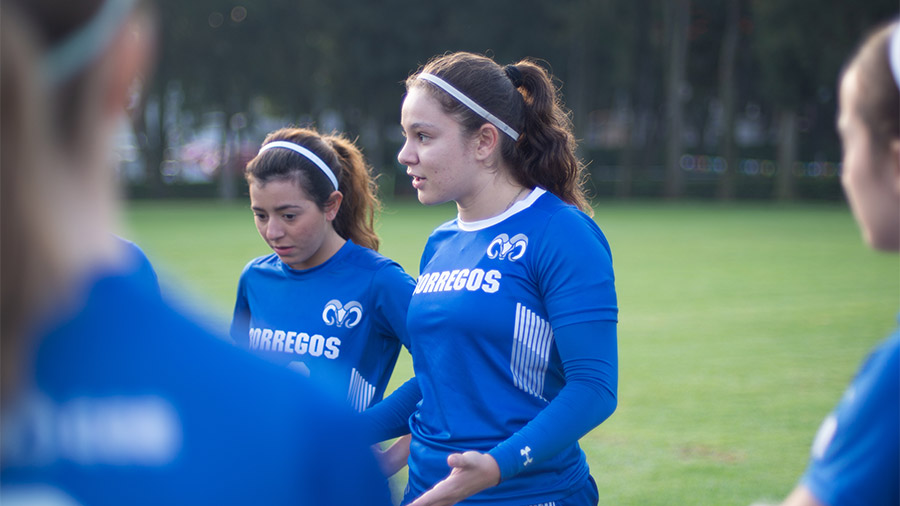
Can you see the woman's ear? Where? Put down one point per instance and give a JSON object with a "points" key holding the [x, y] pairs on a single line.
{"points": [[487, 140], [333, 205]]}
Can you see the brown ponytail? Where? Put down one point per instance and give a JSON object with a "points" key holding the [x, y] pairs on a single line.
{"points": [[356, 216], [524, 97], [546, 151]]}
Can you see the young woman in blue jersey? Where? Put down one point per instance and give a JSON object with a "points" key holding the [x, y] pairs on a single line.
{"points": [[110, 396], [325, 302], [856, 454], [513, 319]]}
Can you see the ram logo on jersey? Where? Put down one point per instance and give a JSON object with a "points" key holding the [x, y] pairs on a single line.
{"points": [[503, 247], [458, 280], [299, 343], [347, 316]]}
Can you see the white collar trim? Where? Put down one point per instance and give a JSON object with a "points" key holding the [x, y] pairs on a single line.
{"points": [[472, 226]]}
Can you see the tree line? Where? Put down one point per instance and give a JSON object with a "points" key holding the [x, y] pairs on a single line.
{"points": [[670, 98]]}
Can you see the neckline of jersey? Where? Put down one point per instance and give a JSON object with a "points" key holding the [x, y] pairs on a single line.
{"points": [[473, 226]]}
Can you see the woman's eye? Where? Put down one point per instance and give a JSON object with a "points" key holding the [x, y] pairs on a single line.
{"points": [[288, 216], [422, 137], [259, 216]]}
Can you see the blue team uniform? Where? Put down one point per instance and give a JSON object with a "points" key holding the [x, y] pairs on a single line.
{"points": [[856, 455], [342, 322], [131, 403], [138, 263], [514, 346]]}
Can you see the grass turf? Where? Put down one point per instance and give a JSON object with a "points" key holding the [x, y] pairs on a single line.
{"points": [[740, 326]]}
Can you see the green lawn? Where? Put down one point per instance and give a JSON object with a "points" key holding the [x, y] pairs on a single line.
{"points": [[740, 325]]}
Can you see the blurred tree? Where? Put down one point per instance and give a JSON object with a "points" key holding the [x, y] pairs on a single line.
{"points": [[678, 17], [625, 67], [800, 46], [727, 97]]}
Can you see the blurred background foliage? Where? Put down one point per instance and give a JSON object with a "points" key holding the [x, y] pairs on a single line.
{"points": [[674, 99]]}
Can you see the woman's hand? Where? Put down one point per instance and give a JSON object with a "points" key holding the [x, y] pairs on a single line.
{"points": [[472, 472], [394, 457]]}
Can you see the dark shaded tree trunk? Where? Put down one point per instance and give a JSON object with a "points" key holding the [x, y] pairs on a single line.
{"points": [[151, 139], [787, 154], [678, 21], [727, 92]]}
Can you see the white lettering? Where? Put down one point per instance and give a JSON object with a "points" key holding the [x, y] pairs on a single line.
{"points": [[254, 338], [474, 282], [332, 345], [429, 286], [278, 341], [420, 283], [439, 286], [316, 345], [289, 341], [266, 340], [449, 285], [460, 282], [119, 431], [459, 279], [492, 281], [301, 344]]}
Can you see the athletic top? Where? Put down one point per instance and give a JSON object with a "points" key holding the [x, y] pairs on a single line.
{"points": [[139, 264], [341, 322], [131, 403], [498, 309], [856, 454]]}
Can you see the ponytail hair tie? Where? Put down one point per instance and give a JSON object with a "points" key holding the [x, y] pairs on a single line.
{"points": [[514, 75]]}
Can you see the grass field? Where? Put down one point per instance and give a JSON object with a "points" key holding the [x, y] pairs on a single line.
{"points": [[740, 325]]}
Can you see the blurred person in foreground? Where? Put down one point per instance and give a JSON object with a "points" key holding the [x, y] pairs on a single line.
{"points": [[110, 396], [856, 454]]}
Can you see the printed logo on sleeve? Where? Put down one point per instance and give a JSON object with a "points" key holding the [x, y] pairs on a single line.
{"points": [[502, 247], [340, 315], [526, 452]]}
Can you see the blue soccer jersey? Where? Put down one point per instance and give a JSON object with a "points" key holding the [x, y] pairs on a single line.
{"points": [[138, 263], [128, 402], [488, 303], [856, 453], [341, 322]]}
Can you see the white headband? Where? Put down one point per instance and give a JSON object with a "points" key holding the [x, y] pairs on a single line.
{"points": [[305, 152], [894, 54], [481, 111], [80, 48]]}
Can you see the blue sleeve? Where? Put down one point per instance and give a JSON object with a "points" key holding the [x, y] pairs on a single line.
{"points": [[393, 289], [590, 361], [240, 321], [573, 268], [390, 417], [139, 265], [856, 453]]}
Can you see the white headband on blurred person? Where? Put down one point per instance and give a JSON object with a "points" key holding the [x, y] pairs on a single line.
{"points": [[82, 47], [305, 152], [894, 54], [468, 102]]}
